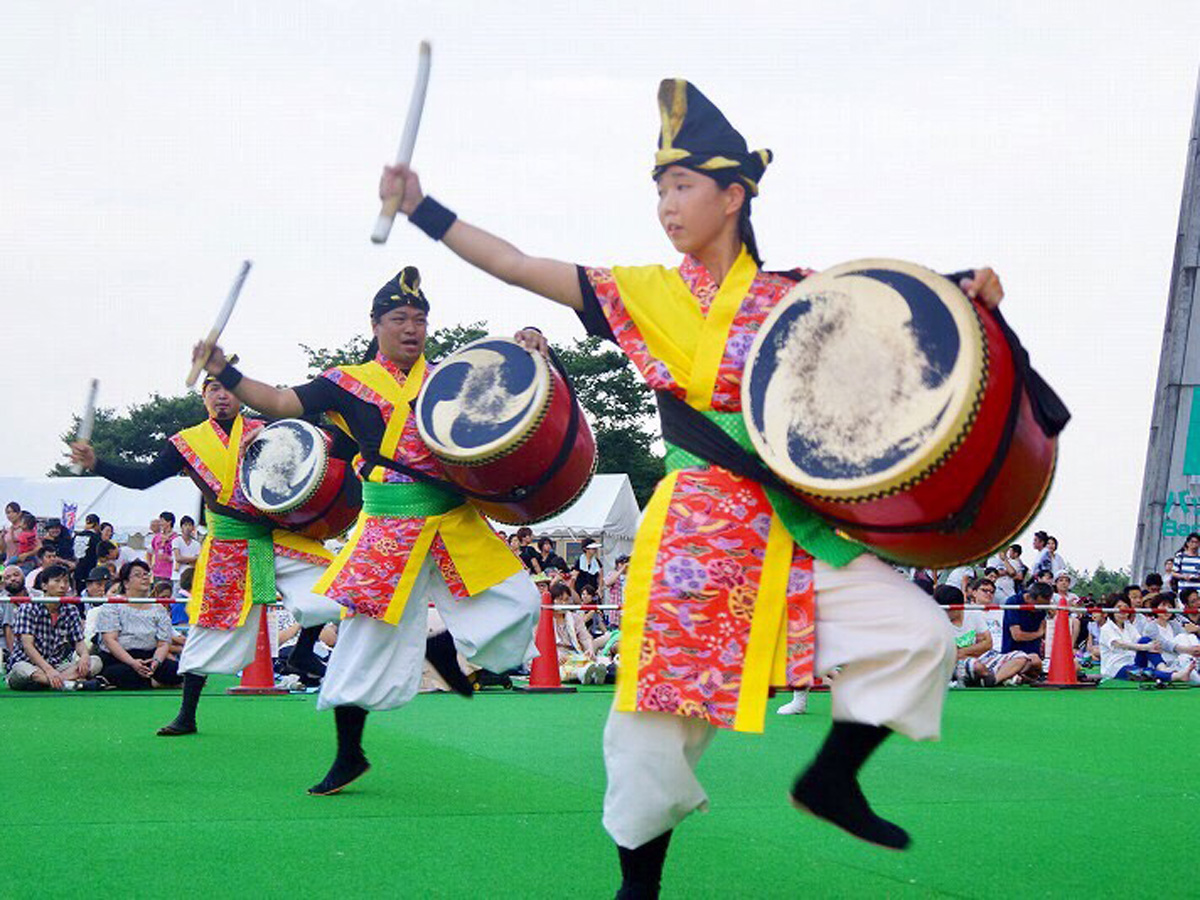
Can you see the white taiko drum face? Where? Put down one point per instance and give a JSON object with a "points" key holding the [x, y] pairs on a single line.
{"points": [[863, 377], [283, 465], [482, 399]]}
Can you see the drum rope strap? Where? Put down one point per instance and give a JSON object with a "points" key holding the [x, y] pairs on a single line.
{"points": [[375, 458], [705, 440]]}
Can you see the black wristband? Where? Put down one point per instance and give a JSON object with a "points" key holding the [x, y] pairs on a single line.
{"points": [[432, 218], [229, 377]]}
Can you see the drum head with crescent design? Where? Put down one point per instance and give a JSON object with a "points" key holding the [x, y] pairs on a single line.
{"points": [[482, 399], [283, 465], [863, 378]]}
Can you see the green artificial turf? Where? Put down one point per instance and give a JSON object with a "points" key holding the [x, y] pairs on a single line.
{"points": [[1031, 793]]}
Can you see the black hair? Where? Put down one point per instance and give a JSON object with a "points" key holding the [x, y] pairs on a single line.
{"points": [[54, 571], [91, 519], [12, 506], [543, 541], [1153, 580], [976, 583], [746, 232], [47, 547], [1129, 589], [168, 516], [186, 577], [126, 569], [1041, 591], [1016, 547], [372, 348], [29, 519], [558, 590], [104, 548], [947, 595], [108, 525], [187, 520]]}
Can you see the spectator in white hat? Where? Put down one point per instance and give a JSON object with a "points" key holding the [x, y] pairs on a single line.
{"points": [[588, 566]]}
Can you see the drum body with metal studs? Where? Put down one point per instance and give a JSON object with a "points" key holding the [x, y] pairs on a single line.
{"points": [[508, 429], [289, 474], [894, 407]]}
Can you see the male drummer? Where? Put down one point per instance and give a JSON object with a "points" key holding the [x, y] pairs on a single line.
{"points": [[719, 602], [416, 540], [243, 561]]}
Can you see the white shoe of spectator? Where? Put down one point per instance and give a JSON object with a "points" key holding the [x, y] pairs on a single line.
{"points": [[797, 706]]}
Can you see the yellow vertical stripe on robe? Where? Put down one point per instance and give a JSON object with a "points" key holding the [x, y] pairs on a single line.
{"points": [[412, 568], [220, 458], [637, 591], [767, 628], [667, 314], [381, 381], [196, 599], [714, 334], [335, 568]]}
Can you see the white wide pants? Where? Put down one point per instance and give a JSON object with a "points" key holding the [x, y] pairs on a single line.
{"points": [[378, 666], [895, 650], [210, 651]]}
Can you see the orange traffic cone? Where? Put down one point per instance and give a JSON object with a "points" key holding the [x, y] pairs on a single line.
{"points": [[1062, 659], [543, 671], [259, 676]]}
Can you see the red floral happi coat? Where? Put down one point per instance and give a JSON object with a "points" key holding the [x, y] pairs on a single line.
{"points": [[704, 580]]}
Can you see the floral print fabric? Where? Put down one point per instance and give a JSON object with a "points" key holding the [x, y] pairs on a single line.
{"points": [[709, 559]]}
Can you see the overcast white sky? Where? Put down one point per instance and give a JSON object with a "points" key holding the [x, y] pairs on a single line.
{"points": [[147, 147]]}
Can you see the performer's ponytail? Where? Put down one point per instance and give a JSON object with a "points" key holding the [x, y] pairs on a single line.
{"points": [[371, 351], [746, 232]]}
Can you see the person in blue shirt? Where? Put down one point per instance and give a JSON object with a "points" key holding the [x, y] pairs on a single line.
{"points": [[1025, 629]]}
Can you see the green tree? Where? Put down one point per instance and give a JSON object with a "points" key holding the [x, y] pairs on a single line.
{"points": [[621, 410], [1100, 583], [137, 434]]}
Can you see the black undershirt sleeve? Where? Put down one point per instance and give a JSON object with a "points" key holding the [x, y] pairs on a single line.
{"points": [[317, 396], [592, 316], [141, 476]]}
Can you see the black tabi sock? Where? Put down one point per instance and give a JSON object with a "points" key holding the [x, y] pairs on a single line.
{"points": [[350, 761], [185, 721], [641, 869], [302, 657], [829, 787], [443, 656], [350, 721]]}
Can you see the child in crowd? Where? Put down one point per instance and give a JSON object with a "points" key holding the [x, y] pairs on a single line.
{"points": [[162, 547], [25, 539]]}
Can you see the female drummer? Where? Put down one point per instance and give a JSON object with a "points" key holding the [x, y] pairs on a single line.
{"points": [[719, 602]]}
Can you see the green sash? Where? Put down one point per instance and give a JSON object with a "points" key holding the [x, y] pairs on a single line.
{"points": [[260, 552], [411, 501]]}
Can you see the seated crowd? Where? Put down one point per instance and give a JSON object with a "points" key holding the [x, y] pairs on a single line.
{"points": [[1153, 635], [86, 643]]}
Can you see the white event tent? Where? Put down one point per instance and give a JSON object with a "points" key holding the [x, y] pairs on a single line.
{"points": [[607, 510]]}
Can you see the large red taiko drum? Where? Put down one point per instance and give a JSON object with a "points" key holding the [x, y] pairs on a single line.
{"points": [[508, 429], [895, 408], [290, 475]]}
